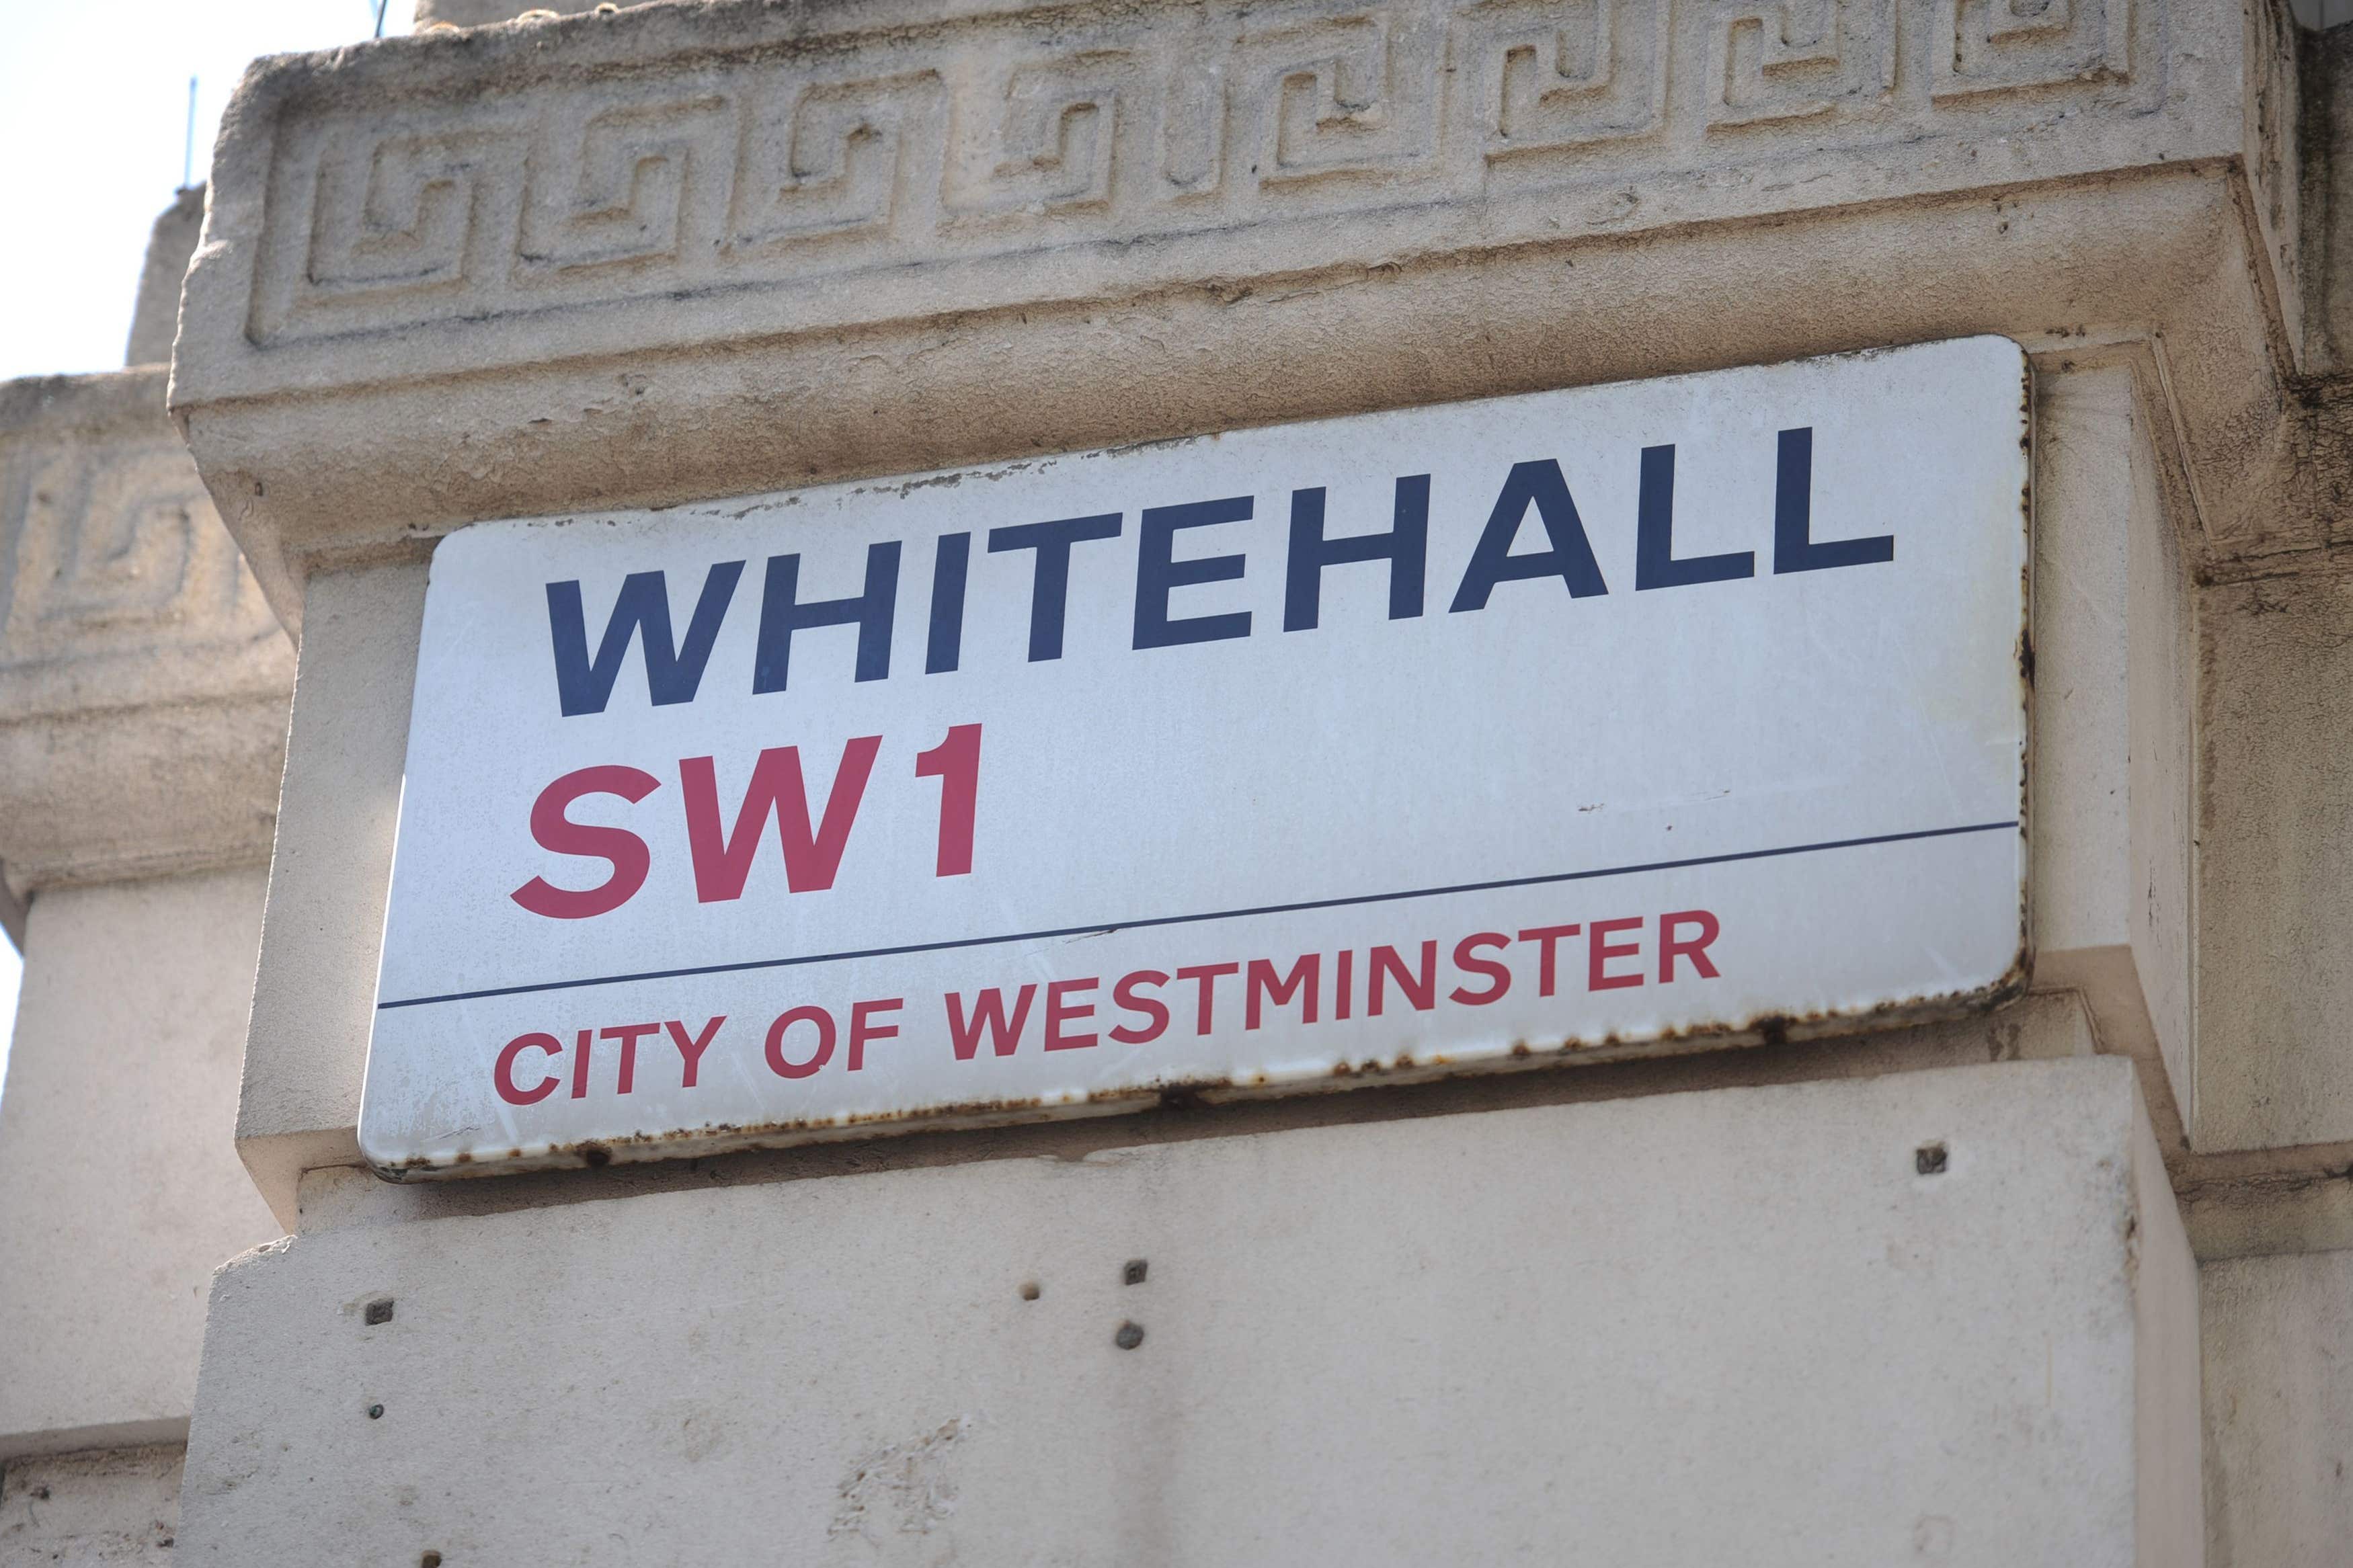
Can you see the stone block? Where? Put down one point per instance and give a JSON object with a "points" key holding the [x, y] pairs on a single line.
{"points": [[2279, 1409], [1539, 1332], [144, 680], [120, 1189], [2113, 669], [2275, 870], [314, 997]]}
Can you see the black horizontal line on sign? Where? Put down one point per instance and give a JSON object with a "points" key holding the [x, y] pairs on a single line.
{"points": [[1108, 927]]}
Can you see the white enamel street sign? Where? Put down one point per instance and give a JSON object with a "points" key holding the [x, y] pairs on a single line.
{"points": [[1418, 739]]}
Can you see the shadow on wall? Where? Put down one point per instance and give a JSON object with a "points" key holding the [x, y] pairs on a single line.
{"points": [[2322, 13]]}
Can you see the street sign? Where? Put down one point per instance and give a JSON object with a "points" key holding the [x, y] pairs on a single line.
{"points": [[1608, 717]]}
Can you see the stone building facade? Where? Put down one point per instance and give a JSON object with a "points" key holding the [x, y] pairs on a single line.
{"points": [[1709, 1307]]}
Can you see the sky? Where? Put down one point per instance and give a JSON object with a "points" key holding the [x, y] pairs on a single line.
{"points": [[95, 98]]}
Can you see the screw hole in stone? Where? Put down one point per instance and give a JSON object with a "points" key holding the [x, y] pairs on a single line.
{"points": [[1130, 1335], [430, 1559], [1029, 1291], [1929, 1159], [379, 1312], [1134, 1271], [375, 1412]]}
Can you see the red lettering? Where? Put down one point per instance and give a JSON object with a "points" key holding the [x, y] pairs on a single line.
{"points": [[1057, 1014], [1599, 950], [723, 860], [956, 763], [580, 1063], [1672, 947], [1547, 966], [778, 1061], [1343, 982], [1151, 1007], [1420, 989], [1499, 976], [504, 1074], [1263, 986], [988, 1009], [629, 1035], [691, 1051], [862, 1029], [1207, 976], [559, 835]]}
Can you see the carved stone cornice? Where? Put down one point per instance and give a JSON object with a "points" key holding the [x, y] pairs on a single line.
{"points": [[668, 251], [143, 682]]}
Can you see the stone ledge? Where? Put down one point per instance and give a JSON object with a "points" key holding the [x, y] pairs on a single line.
{"points": [[2015, 1338], [682, 174], [685, 251], [2161, 262], [116, 1505], [143, 682]]}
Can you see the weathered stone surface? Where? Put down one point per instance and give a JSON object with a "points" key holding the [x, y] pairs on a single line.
{"points": [[155, 319], [314, 997], [142, 679], [741, 155], [120, 1188], [682, 251], [2113, 664], [2279, 1410], [2275, 867], [2327, 92], [1527, 1334], [105, 1510]]}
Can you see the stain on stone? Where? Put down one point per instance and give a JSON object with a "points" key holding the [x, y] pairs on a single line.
{"points": [[902, 1489]]}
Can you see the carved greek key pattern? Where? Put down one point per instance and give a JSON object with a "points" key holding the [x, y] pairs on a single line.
{"points": [[2006, 46], [992, 136], [116, 549], [1798, 59], [1552, 76]]}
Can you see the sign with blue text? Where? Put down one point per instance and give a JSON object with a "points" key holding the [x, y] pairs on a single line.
{"points": [[1606, 718]]}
